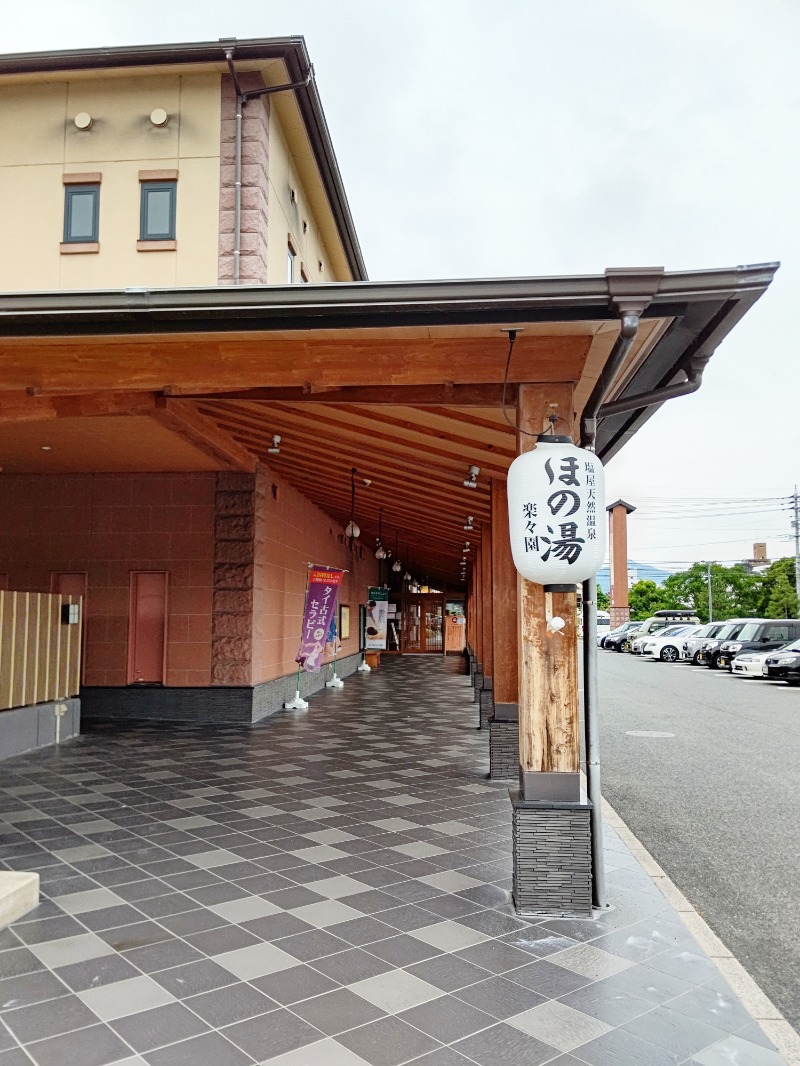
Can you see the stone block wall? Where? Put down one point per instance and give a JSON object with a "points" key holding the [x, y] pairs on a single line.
{"points": [[255, 182], [234, 569]]}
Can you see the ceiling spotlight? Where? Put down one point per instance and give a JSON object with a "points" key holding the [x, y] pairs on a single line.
{"points": [[366, 481], [469, 526], [471, 480], [276, 445], [465, 549]]}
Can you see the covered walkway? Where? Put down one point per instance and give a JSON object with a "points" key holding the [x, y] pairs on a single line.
{"points": [[325, 889]]}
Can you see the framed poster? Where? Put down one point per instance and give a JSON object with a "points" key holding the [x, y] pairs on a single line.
{"points": [[344, 621], [377, 618]]}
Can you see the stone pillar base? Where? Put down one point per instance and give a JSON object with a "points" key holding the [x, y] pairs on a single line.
{"points": [[552, 858], [477, 685], [503, 749], [485, 705]]}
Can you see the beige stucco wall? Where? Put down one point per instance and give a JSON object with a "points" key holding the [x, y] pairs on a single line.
{"points": [[39, 143], [286, 219]]}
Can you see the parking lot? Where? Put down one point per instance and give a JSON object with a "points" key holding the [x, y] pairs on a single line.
{"points": [[702, 766]]}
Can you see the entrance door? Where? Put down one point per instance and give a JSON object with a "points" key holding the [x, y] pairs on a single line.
{"points": [[73, 583], [147, 627], [422, 624]]}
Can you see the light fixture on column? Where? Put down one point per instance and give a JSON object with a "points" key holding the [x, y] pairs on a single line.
{"points": [[276, 445], [406, 576], [466, 547], [397, 566], [471, 480], [380, 551], [469, 526], [352, 531]]}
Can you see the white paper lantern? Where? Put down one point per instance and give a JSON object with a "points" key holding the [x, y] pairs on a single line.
{"points": [[556, 513]]}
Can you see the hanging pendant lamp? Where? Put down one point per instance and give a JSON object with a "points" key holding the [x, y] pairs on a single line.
{"points": [[380, 551], [397, 566], [352, 531]]}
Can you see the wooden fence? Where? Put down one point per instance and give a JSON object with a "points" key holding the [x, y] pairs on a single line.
{"points": [[40, 655]]}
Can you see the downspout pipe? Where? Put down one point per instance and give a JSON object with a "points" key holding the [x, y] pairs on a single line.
{"points": [[241, 99], [237, 170], [694, 379], [629, 328]]}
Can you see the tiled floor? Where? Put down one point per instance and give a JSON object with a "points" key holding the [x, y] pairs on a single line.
{"points": [[326, 889]]}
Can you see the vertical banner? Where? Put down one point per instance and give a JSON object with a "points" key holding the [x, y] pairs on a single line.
{"points": [[377, 619], [320, 611]]}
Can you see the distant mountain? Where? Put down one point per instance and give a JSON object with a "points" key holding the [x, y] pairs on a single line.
{"points": [[636, 572]]}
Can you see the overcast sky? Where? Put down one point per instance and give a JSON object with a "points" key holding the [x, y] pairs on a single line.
{"points": [[527, 137]]}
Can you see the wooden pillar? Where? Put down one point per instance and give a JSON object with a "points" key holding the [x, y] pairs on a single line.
{"points": [[486, 608], [618, 561], [549, 746], [505, 676], [478, 597]]}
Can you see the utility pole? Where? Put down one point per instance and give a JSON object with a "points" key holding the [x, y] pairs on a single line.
{"points": [[796, 524], [710, 597]]}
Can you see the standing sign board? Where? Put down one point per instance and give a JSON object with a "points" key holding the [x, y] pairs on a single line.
{"points": [[377, 619], [320, 611]]}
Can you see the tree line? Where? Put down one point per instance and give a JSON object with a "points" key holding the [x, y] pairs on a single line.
{"points": [[737, 592]]}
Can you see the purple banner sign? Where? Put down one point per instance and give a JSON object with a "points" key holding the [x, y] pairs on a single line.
{"points": [[323, 589]]}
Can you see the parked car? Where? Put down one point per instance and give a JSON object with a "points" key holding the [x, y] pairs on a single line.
{"points": [[709, 651], [660, 620], [603, 626], [668, 644], [766, 635], [615, 640], [752, 663], [641, 641], [693, 644], [784, 665]]}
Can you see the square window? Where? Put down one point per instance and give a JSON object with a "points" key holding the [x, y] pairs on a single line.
{"points": [[81, 214], [158, 211]]}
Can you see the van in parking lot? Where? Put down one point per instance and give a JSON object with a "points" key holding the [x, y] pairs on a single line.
{"points": [[758, 635], [660, 620]]}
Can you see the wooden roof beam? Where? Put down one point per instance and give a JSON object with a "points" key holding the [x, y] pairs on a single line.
{"points": [[183, 418]]}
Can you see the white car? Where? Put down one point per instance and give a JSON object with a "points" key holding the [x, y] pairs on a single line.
{"points": [[752, 663], [668, 645]]}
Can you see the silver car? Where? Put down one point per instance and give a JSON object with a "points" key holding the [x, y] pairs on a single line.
{"points": [[693, 644]]}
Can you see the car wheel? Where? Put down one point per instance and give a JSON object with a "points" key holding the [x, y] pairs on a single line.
{"points": [[669, 654], [713, 662], [696, 659], [618, 647], [793, 683]]}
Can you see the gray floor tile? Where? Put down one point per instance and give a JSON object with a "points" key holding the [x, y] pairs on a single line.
{"points": [[617, 1047], [495, 956], [610, 1004], [548, 980], [504, 1044], [210, 1049], [193, 978], [447, 1019], [350, 966], [26, 989], [47, 1019], [359, 931], [336, 1012], [265, 1038], [402, 950], [154, 1028], [712, 1007], [674, 1032], [162, 955], [742, 1052], [225, 1006], [387, 1042], [500, 997], [95, 1046], [315, 944], [96, 972], [395, 991], [19, 960]]}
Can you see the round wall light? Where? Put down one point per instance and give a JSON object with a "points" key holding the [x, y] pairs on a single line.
{"points": [[159, 117], [83, 120]]}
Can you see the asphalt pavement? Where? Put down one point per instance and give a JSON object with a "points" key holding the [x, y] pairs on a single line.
{"points": [[716, 802]]}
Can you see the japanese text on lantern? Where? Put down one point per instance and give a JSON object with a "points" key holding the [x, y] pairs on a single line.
{"points": [[560, 539]]}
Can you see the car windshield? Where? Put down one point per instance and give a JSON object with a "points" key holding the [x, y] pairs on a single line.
{"points": [[672, 631], [709, 630], [731, 630], [749, 631], [794, 646]]}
